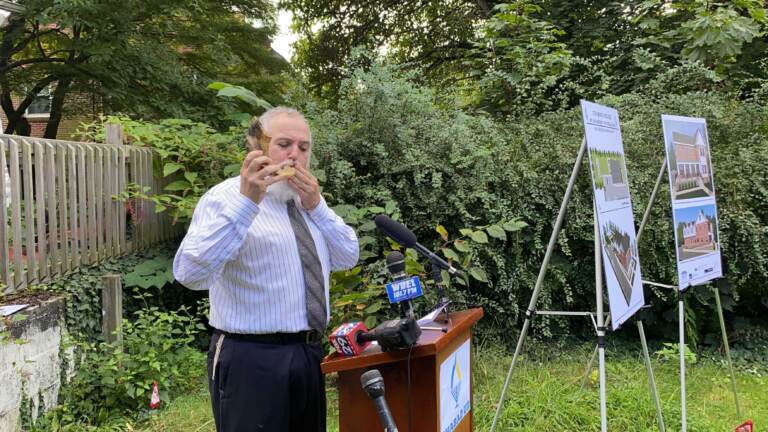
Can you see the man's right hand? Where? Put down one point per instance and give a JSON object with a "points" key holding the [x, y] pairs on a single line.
{"points": [[256, 175]]}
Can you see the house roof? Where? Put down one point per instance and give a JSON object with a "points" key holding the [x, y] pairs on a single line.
{"points": [[683, 138]]}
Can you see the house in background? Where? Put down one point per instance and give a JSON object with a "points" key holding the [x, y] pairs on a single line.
{"points": [[699, 233], [78, 108], [691, 156]]}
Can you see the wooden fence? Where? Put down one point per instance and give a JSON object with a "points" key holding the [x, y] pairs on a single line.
{"points": [[59, 207]]}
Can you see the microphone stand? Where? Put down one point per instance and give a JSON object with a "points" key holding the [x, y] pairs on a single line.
{"points": [[437, 278]]}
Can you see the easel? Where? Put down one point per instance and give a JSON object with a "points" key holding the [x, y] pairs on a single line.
{"points": [[681, 314], [601, 320]]}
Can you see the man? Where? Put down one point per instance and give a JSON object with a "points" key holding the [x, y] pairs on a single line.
{"points": [[264, 244]]}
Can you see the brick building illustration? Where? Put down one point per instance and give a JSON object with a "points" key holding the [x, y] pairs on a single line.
{"points": [[699, 233], [691, 154], [690, 168]]}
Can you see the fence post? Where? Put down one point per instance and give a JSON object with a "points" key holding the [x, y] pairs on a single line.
{"points": [[115, 135], [111, 307]]}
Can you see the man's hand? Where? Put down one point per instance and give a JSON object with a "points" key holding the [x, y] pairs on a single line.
{"points": [[305, 184], [256, 174]]}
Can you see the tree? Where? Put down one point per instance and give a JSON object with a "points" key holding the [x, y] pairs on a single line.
{"points": [[150, 58], [436, 35], [538, 55]]}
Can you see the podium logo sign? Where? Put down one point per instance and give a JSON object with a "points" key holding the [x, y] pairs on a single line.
{"points": [[456, 380], [455, 398], [405, 289]]}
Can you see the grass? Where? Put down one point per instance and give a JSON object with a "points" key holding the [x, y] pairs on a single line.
{"points": [[544, 395]]}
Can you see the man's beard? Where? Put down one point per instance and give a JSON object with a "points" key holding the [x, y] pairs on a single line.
{"points": [[281, 191]]}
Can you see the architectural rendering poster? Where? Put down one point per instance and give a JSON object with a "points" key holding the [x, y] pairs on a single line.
{"points": [[694, 211], [614, 211]]}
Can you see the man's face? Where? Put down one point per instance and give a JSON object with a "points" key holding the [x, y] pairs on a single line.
{"points": [[290, 140]]}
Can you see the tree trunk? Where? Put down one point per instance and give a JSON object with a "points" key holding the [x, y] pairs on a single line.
{"points": [[57, 104], [12, 30], [23, 127], [7, 105], [16, 115]]}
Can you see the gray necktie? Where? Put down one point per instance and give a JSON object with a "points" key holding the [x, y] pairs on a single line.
{"points": [[313, 271]]}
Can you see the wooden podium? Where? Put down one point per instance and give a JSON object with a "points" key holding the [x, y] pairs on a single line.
{"points": [[356, 410]]}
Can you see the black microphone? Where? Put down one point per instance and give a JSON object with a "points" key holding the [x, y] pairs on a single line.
{"points": [[373, 384], [402, 235], [396, 266], [365, 336]]}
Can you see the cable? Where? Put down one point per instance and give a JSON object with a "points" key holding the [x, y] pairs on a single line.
{"points": [[408, 368]]}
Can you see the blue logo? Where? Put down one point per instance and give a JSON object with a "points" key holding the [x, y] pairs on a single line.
{"points": [[405, 289], [456, 380]]}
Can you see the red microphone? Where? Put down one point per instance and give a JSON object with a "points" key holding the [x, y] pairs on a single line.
{"points": [[350, 339]]}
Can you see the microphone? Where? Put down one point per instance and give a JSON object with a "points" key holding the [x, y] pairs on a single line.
{"points": [[402, 235], [396, 266], [351, 339], [373, 385]]}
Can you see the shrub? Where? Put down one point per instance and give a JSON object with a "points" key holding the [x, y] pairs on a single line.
{"points": [[389, 140], [196, 155], [115, 379]]}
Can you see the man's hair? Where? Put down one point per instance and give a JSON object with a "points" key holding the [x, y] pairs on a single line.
{"points": [[261, 123]]}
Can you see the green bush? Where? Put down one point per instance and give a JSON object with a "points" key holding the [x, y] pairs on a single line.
{"points": [[392, 146], [192, 154], [82, 288], [115, 379], [388, 140]]}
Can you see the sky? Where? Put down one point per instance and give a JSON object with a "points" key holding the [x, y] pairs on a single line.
{"points": [[285, 37]]}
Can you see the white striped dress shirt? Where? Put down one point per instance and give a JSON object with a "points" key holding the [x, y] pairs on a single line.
{"points": [[246, 255]]}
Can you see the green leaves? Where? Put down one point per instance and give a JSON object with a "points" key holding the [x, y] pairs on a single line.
{"points": [[153, 273], [112, 379], [514, 225], [461, 245], [178, 185], [171, 168], [450, 254], [147, 58], [240, 93], [479, 274], [496, 232], [479, 236], [192, 154]]}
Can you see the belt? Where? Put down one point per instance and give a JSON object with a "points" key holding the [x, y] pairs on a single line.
{"points": [[306, 337]]}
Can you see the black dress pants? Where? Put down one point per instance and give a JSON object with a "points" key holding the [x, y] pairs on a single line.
{"points": [[273, 387]]}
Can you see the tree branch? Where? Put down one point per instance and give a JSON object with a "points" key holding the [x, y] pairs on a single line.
{"points": [[57, 105], [13, 29], [484, 6], [14, 115], [35, 34], [16, 64]]}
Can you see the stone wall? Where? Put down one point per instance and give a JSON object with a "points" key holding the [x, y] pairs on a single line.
{"points": [[31, 364]]}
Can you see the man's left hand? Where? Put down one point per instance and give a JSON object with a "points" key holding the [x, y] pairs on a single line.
{"points": [[305, 184]]}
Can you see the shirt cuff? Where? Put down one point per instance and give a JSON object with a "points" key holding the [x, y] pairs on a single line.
{"points": [[242, 210], [321, 211]]}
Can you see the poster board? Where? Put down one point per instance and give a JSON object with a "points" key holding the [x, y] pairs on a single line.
{"points": [[610, 186], [694, 207]]}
